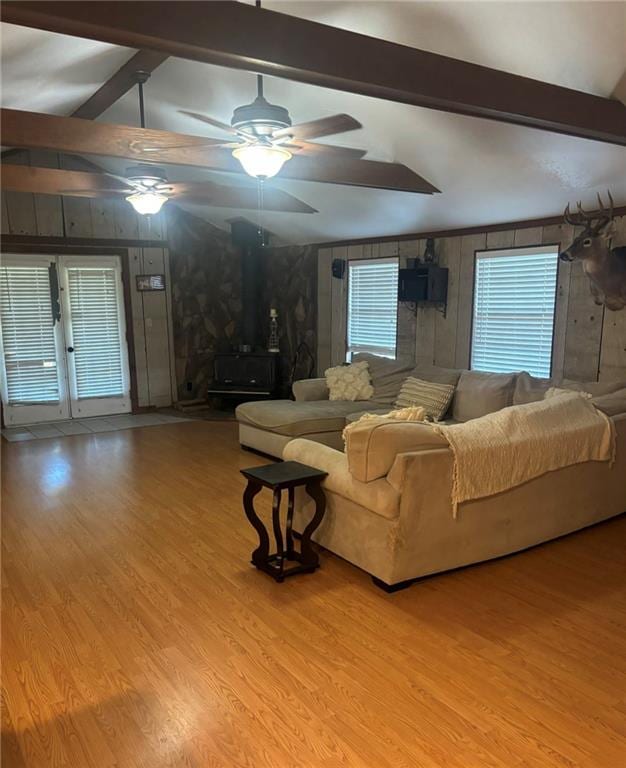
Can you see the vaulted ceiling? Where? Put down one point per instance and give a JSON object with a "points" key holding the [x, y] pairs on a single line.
{"points": [[488, 172]]}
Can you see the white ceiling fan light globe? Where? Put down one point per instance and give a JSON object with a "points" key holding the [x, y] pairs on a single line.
{"points": [[147, 203], [261, 161]]}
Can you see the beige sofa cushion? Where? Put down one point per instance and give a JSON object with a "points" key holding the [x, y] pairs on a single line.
{"points": [[372, 446], [375, 410], [529, 389], [378, 496], [612, 404], [388, 375], [595, 388], [310, 389], [436, 374], [287, 417], [478, 394]]}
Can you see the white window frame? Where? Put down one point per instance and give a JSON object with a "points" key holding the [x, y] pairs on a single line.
{"points": [[350, 350], [517, 252]]}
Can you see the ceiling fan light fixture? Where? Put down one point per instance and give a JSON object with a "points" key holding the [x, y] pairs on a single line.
{"points": [[147, 203], [261, 161]]}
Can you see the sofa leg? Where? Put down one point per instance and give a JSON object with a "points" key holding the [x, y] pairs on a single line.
{"points": [[391, 588]]}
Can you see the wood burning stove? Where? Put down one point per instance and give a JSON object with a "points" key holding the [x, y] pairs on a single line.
{"points": [[245, 373]]}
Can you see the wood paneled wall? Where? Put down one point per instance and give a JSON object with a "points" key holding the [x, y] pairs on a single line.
{"points": [[589, 341], [55, 216]]}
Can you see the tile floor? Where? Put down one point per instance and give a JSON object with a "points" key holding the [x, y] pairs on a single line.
{"points": [[87, 426]]}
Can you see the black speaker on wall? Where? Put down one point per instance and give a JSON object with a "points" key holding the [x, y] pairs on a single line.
{"points": [[339, 268]]}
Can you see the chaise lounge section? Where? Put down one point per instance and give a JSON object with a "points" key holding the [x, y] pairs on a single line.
{"points": [[269, 426]]}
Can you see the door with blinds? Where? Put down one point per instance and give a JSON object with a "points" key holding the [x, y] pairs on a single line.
{"points": [[92, 311], [34, 384], [64, 352]]}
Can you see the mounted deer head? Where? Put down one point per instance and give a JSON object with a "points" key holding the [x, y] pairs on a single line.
{"points": [[604, 265]]}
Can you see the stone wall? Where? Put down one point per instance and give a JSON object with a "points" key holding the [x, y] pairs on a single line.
{"points": [[206, 298], [206, 301], [289, 284]]}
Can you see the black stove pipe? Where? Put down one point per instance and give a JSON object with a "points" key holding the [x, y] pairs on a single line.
{"points": [[246, 237]]}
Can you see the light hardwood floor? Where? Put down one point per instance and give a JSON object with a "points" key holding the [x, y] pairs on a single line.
{"points": [[135, 633]]}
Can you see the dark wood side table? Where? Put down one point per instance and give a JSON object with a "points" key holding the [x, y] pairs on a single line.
{"points": [[285, 475]]}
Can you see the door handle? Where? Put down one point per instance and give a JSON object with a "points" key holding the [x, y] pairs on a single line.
{"points": [[70, 349]]}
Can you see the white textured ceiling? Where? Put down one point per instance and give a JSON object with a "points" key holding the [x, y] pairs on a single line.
{"points": [[488, 172]]}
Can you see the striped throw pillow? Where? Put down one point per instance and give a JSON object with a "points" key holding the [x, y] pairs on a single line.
{"points": [[434, 398]]}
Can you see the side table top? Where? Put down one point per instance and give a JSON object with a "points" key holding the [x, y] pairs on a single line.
{"points": [[285, 474]]}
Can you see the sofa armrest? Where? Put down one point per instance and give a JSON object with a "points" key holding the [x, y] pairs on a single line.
{"points": [[377, 495], [310, 389], [373, 444]]}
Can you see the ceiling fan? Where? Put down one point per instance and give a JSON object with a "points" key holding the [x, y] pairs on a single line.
{"points": [[144, 186], [266, 138], [148, 182]]}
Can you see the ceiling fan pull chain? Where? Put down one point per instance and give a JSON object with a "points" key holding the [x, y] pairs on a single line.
{"points": [[260, 207]]}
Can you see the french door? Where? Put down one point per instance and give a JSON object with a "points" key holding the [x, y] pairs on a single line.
{"points": [[64, 352]]}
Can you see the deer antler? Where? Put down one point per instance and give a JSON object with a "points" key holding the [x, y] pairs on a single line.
{"points": [[605, 216], [568, 217], [609, 213], [582, 218]]}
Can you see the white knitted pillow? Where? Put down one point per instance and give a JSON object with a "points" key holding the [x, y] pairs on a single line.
{"points": [[433, 397], [349, 382]]}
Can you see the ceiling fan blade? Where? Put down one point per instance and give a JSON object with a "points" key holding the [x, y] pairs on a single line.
{"points": [[71, 135], [222, 196], [315, 129], [124, 180], [91, 193], [211, 121], [215, 143], [309, 149], [53, 181]]}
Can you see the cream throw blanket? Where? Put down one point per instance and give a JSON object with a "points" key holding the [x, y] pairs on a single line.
{"points": [[509, 447], [410, 413]]}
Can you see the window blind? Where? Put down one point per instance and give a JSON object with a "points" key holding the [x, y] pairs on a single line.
{"points": [[373, 306], [95, 327], [513, 320], [28, 335]]}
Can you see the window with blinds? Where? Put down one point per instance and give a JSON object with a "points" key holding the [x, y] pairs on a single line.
{"points": [[28, 336], [373, 306], [513, 320], [95, 330]]}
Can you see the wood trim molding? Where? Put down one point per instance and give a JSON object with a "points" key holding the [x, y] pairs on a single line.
{"points": [[240, 36], [88, 243], [478, 230]]}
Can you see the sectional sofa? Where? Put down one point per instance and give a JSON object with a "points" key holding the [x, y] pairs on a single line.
{"points": [[388, 498]]}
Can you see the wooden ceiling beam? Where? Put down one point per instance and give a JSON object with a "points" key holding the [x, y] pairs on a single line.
{"points": [[237, 35], [119, 84]]}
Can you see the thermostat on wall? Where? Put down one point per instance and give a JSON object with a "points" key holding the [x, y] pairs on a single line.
{"points": [[150, 282]]}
